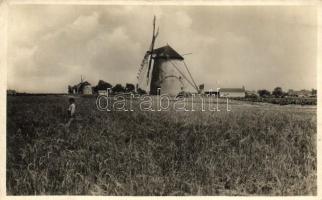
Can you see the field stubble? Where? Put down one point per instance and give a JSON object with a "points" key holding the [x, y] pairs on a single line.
{"points": [[248, 151]]}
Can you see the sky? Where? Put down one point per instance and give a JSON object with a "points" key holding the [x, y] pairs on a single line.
{"points": [[52, 46]]}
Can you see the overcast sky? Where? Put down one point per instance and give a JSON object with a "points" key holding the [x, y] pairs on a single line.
{"points": [[51, 46]]}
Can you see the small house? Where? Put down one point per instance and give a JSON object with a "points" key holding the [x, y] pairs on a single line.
{"points": [[211, 93], [232, 92]]}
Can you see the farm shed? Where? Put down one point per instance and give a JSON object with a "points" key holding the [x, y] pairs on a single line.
{"points": [[232, 92], [211, 93]]}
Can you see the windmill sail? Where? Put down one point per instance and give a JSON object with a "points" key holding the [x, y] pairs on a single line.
{"points": [[146, 65], [143, 81], [154, 36]]}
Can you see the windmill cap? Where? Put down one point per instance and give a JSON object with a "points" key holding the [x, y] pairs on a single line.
{"points": [[167, 52]]}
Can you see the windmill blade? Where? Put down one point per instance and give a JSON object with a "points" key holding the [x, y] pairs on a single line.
{"points": [[157, 33], [185, 54], [182, 74], [190, 74], [154, 35]]}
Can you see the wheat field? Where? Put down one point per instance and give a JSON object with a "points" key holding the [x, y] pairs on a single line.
{"points": [[255, 149]]}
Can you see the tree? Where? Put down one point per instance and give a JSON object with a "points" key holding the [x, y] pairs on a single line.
{"points": [[70, 89], [129, 87], [264, 93], [251, 94], [118, 88], [102, 85], [140, 91], [314, 92], [278, 92]]}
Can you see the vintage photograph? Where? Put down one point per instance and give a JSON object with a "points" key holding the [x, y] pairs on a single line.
{"points": [[161, 100]]}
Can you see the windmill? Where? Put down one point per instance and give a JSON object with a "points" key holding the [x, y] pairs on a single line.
{"points": [[164, 68]]}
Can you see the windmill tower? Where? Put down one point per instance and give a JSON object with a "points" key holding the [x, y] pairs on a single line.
{"points": [[164, 68]]}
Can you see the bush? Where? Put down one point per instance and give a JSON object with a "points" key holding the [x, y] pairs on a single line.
{"points": [[278, 92], [118, 88], [102, 85], [264, 93], [129, 87]]}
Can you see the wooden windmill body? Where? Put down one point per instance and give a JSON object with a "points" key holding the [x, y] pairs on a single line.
{"points": [[161, 71]]}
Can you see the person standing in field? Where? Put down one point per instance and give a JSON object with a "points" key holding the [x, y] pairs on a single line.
{"points": [[71, 111]]}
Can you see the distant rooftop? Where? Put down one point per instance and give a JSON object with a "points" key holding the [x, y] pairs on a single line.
{"points": [[232, 90]]}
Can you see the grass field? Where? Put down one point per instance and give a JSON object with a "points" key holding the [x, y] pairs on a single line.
{"points": [[284, 100], [255, 149]]}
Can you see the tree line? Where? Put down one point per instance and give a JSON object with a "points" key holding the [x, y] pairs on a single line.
{"points": [[118, 88], [278, 92]]}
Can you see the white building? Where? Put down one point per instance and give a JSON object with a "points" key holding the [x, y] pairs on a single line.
{"points": [[102, 92], [232, 92], [87, 90]]}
